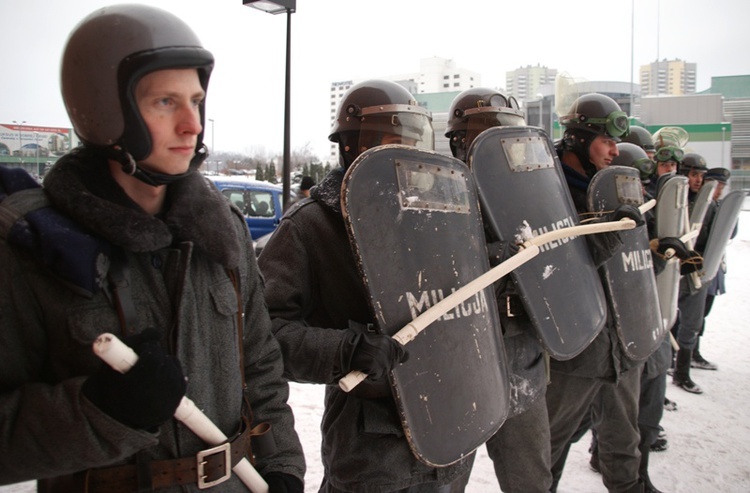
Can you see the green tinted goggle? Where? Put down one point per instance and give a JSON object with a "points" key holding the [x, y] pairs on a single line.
{"points": [[616, 124], [645, 166], [669, 153]]}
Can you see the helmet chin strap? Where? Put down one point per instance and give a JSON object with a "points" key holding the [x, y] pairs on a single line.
{"points": [[130, 167], [578, 144]]}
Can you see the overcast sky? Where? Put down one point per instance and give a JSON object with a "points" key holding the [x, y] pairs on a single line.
{"points": [[334, 40]]}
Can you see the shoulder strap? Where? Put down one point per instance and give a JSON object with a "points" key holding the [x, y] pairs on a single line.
{"points": [[18, 204], [262, 443]]}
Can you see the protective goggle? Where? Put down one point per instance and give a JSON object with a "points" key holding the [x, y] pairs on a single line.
{"points": [[615, 125], [645, 166], [669, 153]]}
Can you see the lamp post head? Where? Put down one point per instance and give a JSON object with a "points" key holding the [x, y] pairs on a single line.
{"points": [[272, 6]]}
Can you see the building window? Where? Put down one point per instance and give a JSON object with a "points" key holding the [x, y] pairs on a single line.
{"points": [[456, 76], [445, 77]]}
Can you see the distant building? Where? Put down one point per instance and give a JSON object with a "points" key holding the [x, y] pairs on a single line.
{"points": [[668, 77], [436, 75], [735, 90], [33, 147], [524, 82]]}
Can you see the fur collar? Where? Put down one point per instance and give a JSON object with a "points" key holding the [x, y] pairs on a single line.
{"points": [[81, 186], [328, 192]]}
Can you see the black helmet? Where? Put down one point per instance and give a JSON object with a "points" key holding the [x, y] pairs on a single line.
{"points": [[369, 110], [693, 161], [105, 56], [640, 137], [475, 110], [634, 156], [598, 114]]}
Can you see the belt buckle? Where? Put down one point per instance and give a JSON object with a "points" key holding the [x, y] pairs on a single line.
{"points": [[201, 461]]}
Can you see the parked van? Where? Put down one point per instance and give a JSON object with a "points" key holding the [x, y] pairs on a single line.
{"points": [[259, 201]]}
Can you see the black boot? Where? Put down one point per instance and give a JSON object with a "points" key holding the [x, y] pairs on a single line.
{"points": [[699, 361], [681, 376], [648, 487]]}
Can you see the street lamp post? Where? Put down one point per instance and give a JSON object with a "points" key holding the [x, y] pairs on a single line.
{"points": [[20, 152], [212, 139], [36, 140], [278, 7]]}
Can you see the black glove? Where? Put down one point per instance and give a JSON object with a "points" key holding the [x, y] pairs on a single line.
{"points": [[279, 482], [373, 354], [693, 264], [148, 394], [629, 212], [500, 251], [681, 251]]}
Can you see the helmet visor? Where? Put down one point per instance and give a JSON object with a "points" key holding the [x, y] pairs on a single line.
{"points": [[669, 153], [396, 124], [480, 119]]}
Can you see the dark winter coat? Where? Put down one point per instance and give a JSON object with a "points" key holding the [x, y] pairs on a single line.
{"points": [[314, 291], [178, 264], [526, 357], [604, 357]]}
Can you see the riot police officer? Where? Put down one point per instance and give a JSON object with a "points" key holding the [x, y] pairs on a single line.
{"points": [[601, 380], [520, 449], [321, 314]]}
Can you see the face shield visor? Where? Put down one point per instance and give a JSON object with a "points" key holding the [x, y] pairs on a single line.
{"points": [[480, 119], [395, 124]]}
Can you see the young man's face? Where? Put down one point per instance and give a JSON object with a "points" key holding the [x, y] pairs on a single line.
{"points": [[664, 167], [695, 179], [169, 102], [602, 151], [718, 191]]}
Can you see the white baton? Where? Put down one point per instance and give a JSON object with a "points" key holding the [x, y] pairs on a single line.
{"points": [[122, 358]]}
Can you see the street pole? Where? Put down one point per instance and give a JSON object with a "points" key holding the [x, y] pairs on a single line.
{"points": [[20, 144], [36, 140], [278, 7], [287, 184]]}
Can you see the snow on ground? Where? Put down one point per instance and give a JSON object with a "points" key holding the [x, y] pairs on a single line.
{"points": [[709, 434]]}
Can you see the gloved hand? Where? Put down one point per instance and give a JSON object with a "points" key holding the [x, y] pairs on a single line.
{"points": [[691, 265], [279, 482], [500, 251], [681, 251], [628, 211], [373, 354], [148, 394]]}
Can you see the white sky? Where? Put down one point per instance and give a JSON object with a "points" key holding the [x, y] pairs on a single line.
{"points": [[336, 40]]}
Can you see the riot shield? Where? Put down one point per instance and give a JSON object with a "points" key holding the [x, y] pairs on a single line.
{"points": [[414, 222], [629, 279], [522, 188], [721, 230], [671, 221], [697, 214]]}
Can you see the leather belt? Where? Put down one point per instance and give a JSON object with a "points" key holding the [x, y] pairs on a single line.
{"points": [[207, 468]]}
